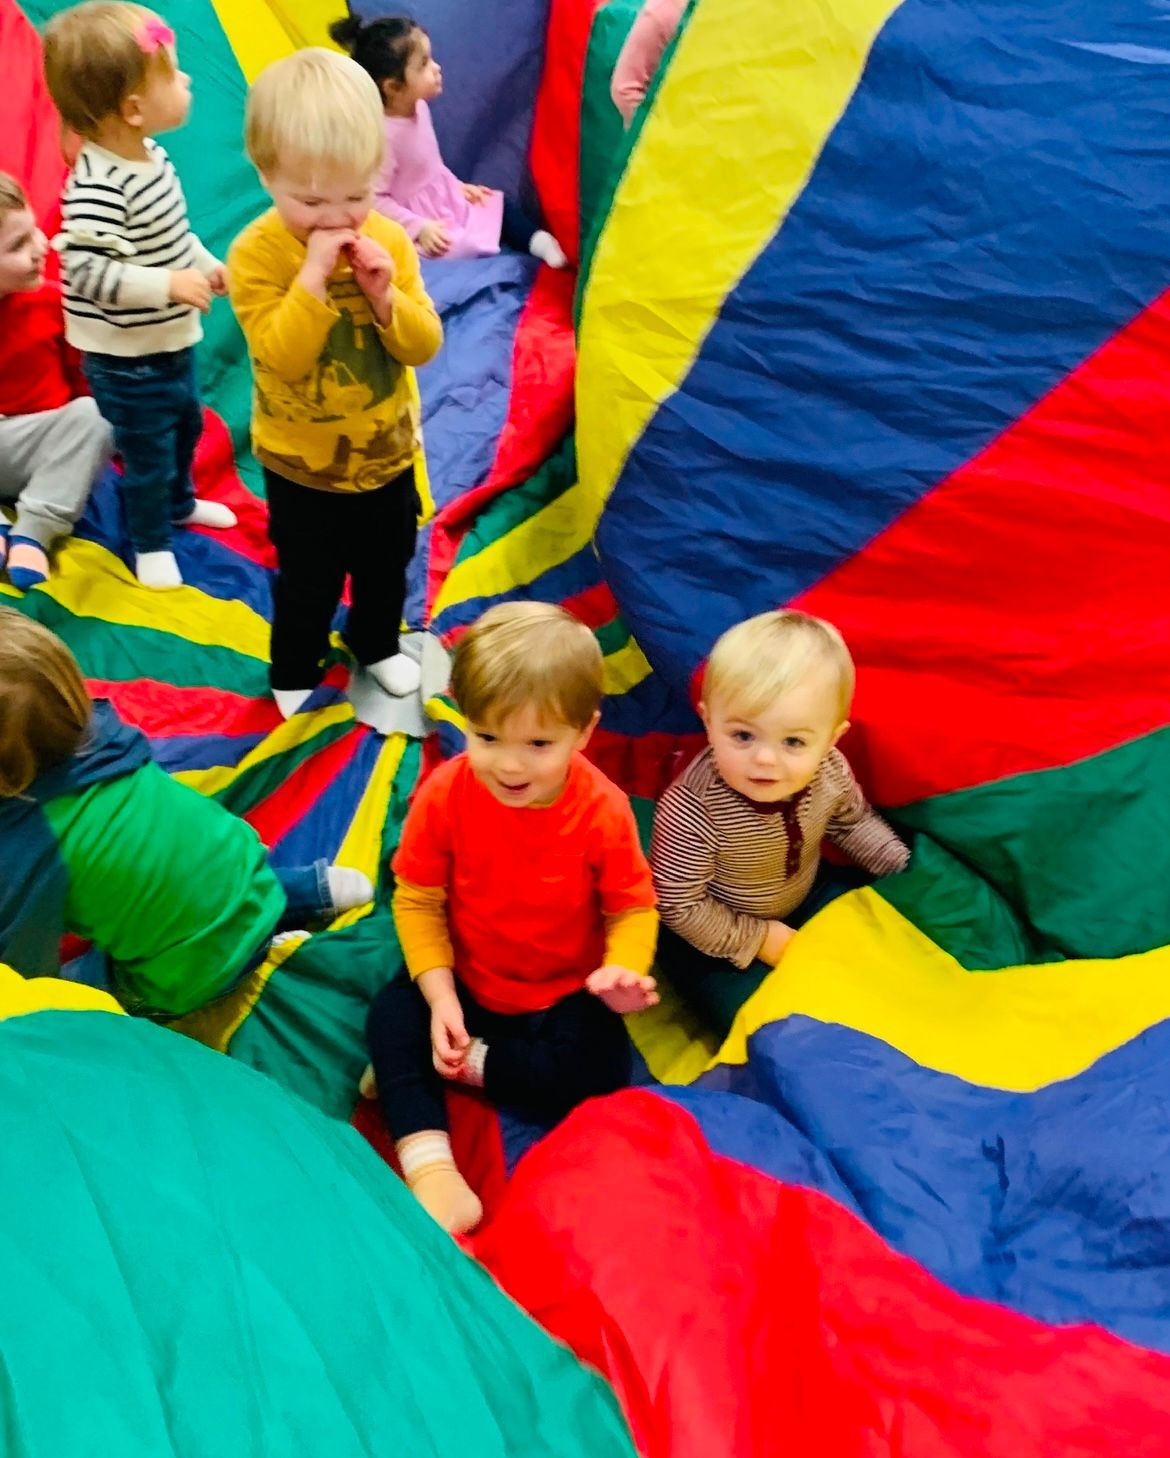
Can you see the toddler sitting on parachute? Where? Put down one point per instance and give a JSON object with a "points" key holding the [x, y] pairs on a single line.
{"points": [[98, 841]]}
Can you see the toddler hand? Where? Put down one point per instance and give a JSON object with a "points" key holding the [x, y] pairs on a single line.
{"points": [[373, 268], [322, 251], [188, 286], [775, 942], [475, 194], [449, 1040], [621, 990], [433, 240], [218, 281]]}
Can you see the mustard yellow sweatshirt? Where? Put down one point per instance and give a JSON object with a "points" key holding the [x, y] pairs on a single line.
{"points": [[333, 406]]}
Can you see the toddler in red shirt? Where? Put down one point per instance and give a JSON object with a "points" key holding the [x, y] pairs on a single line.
{"points": [[53, 441], [524, 906]]}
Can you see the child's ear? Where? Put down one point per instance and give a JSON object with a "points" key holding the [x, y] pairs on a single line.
{"points": [[587, 733], [840, 730], [388, 87], [704, 715], [131, 110]]}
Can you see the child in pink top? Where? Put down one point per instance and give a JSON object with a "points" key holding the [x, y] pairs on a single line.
{"points": [[642, 53], [446, 218]]}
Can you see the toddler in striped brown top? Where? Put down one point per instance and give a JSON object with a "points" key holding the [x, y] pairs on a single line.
{"points": [[736, 852]]}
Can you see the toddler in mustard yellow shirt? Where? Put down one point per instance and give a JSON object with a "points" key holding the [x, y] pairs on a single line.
{"points": [[332, 304]]}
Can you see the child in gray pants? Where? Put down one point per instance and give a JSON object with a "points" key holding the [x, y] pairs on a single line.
{"points": [[53, 440]]}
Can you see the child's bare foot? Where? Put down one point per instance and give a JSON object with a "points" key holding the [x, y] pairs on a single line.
{"points": [[621, 990], [447, 1198]]}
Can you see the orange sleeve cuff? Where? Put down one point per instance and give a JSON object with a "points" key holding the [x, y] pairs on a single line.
{"points": [[631, 938], [420, 917]]}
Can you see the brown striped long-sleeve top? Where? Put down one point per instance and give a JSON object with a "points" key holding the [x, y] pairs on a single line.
{"points": [[725, 865]]}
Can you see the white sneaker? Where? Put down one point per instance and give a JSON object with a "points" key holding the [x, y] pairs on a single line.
{"points": [[157, 569], [397, 676], [291, 701], [211, 514], [349, 888]]}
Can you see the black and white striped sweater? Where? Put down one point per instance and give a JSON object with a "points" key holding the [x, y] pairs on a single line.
{"points": [[124, 231]]}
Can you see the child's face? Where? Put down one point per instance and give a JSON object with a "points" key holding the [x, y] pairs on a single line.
{"points": [[524, 760], [424, 75], [306, 204], [164, 103], [23, 248], [772, 756]]}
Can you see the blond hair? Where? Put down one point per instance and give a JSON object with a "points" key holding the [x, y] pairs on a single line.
{"points": [[95, 57], [13, 198], [755, 662], [523, 654], [315, 108], [44, 704]]}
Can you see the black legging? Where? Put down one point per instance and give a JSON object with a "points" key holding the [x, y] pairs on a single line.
{"points": [[542, 1064], [517, 228]]}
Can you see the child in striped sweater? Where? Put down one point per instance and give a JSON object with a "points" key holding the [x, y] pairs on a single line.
{"points": [[736, 851], [137, 278]]}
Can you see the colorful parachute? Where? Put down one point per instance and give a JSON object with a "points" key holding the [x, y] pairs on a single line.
{"points": [[203, 1265], [869, 319]]}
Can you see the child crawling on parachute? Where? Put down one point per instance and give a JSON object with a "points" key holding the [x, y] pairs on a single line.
{"points": [[524, 907], [737, 838], [97, 841]]}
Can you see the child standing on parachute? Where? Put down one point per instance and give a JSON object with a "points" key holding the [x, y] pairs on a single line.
{"points": [[96, 840], [137, 278], [445, 217], [331, 301]]}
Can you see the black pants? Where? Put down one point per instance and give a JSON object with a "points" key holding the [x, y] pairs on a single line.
{"points": [[541, 1064], [715, 988], [517, 228], [321, 538]]}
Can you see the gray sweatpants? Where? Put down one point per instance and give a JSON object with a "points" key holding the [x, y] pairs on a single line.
{"points": [[48, 464]]}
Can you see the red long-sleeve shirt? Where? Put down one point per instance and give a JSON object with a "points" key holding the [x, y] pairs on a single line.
{"points": [[38, 370]]}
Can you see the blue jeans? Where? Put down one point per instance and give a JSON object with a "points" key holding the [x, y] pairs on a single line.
{"points": [[306, 889], [153, 404]]}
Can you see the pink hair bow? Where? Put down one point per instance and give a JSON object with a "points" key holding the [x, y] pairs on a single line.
{"points": [[153, 33]]}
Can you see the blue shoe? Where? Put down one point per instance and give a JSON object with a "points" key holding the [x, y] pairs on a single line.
{"points": [[25, 578]]}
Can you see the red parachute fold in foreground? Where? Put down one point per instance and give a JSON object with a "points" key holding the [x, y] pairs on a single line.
{"points": [[736, 1315]]}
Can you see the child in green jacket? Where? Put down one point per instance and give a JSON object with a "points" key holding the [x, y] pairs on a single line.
{"points": [[96, 840]]}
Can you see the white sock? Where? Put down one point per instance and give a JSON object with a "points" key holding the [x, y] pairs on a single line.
{"points": [[543, 245], [210, 514], [429, 1146], [348, 888], [471, 1069], [398, 675], [157, 569], [291, 701]]}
